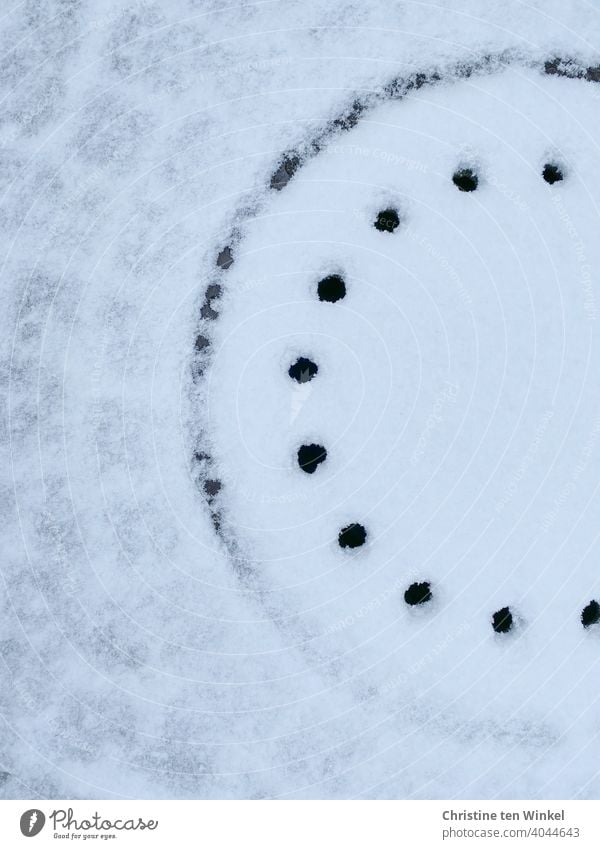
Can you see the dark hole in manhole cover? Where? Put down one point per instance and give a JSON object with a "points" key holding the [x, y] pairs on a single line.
{"points": [[465, 179], [310, 456], [303, 370], [352, 536], [590, 615], [502, 621], [552, 173], [331, 288], [387, 220], [418, 593]]}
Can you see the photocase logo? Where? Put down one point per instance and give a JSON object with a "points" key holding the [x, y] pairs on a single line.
{"points": [[32, 822]]}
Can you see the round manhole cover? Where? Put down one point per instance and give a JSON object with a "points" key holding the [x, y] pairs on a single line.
{"points": [[413, 311]]}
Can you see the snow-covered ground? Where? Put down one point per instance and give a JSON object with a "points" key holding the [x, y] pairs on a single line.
{"points": [[143, 654]]}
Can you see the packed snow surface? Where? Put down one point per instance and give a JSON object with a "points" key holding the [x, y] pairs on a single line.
{"points": [[144, 653]]}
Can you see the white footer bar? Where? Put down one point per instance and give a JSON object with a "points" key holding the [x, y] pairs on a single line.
{"points": [[301, 824]]}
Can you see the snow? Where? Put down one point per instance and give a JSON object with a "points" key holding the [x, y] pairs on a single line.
{"points": [[465, 338], [145, 655]]}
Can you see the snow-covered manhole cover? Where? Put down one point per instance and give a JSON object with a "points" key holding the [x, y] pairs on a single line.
{"points": [[401, 407]]}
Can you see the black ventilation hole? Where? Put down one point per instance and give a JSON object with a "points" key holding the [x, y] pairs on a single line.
{"points": [[502, 621], [590, 615], [303, 370], [418, 593], [331, 288], [310, 456], [352, 536], [552, 173], [465, 179], [387, 220]]}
